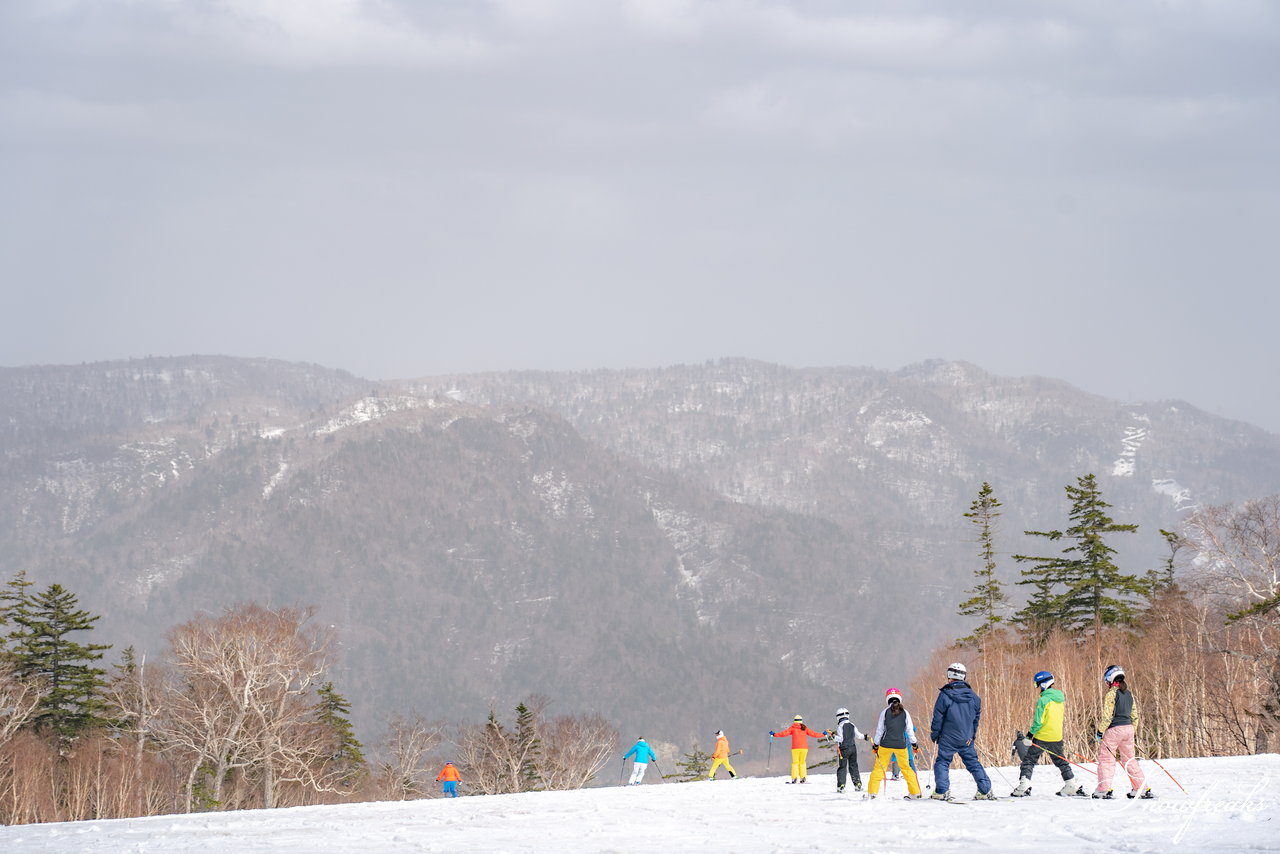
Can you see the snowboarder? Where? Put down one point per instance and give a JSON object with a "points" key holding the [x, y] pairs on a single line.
{"points": [[800, 735], [847, 736], [1046, 735], [449, 775], [956, 714], [895, 738], [644, 755], [720, 756], [1117, 726]]}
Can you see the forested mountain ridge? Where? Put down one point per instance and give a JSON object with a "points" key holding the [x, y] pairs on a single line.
{"points": [[682, 549]]}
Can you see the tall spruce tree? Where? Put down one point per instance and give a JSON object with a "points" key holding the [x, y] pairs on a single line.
{"points": [[987, 599], [334, 710], [42, 649], [1082, 590], [529, 748], [14, 602]]}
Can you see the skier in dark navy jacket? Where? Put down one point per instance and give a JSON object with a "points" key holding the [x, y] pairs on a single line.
{"points": [[955, 727]]}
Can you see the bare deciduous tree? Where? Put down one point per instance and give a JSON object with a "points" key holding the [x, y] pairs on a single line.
{"points": [[404, 771], [241, 696], [1235, 556]]}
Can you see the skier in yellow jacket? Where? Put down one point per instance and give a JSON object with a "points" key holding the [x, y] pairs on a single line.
{"points": [[721, 757], [1045, 736]]}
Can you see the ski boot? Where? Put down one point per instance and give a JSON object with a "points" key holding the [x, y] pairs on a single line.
{"points": [[913, 797], [986, 796], [1072, 789], [857, 785], [1145, 794], [941, 796], [1022, 789], [840, 789], [1100, 795]]}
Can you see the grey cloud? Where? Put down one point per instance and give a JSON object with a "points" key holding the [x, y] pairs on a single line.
{"points": [[565, 183]]}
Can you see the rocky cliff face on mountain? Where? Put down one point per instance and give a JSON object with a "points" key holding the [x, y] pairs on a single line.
{"points": [[683, 550]]}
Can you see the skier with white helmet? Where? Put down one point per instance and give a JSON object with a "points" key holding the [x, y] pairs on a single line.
{"points": [[954, 729], [1117, 726], [1045, 736], [847, 735], [895, 737]]}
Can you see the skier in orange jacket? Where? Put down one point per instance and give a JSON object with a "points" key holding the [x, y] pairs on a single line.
{"points": [[721, 757], [451, 779], [800, 735]]}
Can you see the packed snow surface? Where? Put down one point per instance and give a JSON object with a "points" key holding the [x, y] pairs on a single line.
{"points": [[1233, 804]]}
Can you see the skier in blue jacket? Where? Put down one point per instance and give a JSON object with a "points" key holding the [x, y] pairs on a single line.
{"points": [[644, 755], [955, 727]]}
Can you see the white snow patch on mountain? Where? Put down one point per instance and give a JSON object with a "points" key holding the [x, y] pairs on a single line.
{"points": [[1126, 464], [1231, 805], [366, 410], [1180, 494], [275, 480]]}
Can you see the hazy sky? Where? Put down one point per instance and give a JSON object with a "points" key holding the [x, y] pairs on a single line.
{"points": [[1086, 190]]}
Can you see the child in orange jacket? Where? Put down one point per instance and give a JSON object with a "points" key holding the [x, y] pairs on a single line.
{"points": [[451, 779], [721, 757], [800, 735]]}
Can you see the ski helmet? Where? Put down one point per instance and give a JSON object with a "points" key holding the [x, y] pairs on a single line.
{"points": [[798, 719], [842, 712], [957, 671], [891, 695], [1043, 680], [1112, 673]]}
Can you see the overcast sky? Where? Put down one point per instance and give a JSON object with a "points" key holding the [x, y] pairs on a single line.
{"points": [[1084, 190]]}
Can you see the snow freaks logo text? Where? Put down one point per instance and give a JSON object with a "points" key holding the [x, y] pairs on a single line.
{"points": [[1205, 803]]}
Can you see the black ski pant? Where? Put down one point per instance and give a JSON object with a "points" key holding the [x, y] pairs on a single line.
{"points": [[1054, 749], [848, 763]]}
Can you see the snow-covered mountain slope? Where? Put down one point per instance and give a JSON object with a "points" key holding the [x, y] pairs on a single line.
{"points": [[1231, 804]]}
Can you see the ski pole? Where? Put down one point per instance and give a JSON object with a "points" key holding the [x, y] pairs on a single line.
{"points": [[661, 776], [1166, 771], [1125, 766], [1065, 759], [622, 770], [769, 761]]}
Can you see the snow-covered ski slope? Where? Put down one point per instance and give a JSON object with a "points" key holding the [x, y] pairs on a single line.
{"points": [[1233, 805]]}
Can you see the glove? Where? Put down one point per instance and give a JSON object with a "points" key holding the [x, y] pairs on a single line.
{"points": [[1026, 742], [866, 737], [915, 748], [772, 733], [875, 748], [826, 733], [1098, 735]]}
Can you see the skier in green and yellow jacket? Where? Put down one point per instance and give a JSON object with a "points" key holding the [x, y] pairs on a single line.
{"points": [[1045, 736]]}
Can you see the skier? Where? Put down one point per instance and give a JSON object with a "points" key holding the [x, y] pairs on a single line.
{"points": [[1046, 735], [847, 736], [721, 757], [644, 755], [1116, 727], [956, 713], [800, 735], [451, 778], [894, 735]]}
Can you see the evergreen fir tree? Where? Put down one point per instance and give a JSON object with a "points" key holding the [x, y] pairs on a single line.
{"points": [[42, 650], [528, 748], [694, 766], [987, 598], [334, 710], [1082, 590], [14, 602]]}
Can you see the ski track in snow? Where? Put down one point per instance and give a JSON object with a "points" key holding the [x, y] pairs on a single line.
{"points": [[1232, 806]]}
